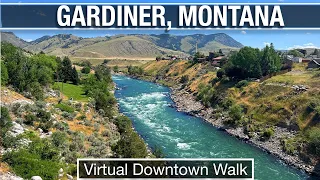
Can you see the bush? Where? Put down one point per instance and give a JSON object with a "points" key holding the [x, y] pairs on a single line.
{"points": [[64, 107], [130, 145], [314, 140], [267, 133], [289, 146], [30, 119], [221, 73], [242, 83], [59, 138], [184, 79], [40, 158], [4, 74], [236, 113], [44, 115], [123, 123], [116, 69], [5, 120], [36, 90], [85, 70]]}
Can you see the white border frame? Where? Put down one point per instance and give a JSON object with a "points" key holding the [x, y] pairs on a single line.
{"points": [[166, 159], [177, 3]]}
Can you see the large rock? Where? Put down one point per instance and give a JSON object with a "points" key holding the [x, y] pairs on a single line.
{"points": [[16, 129], [36, 178], [9, 176], [69, 177]]}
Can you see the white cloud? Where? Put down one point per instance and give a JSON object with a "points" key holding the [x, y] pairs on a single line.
{"points": [[243, 32], [29, 40], [281, 0], [266, 43], [307, 45], [308, 33]]}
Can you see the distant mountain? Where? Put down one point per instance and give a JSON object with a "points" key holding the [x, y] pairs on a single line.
{"points": [[187, 43], [125, 46], [13, 39]]}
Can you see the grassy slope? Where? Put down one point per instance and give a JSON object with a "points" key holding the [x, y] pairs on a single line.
{"points": [[127, 47], [268, 102], [72, 91]]}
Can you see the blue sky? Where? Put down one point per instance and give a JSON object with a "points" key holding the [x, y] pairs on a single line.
{"points": [[282, 39]]}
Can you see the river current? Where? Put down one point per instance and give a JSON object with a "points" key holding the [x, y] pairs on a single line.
{"points": [[182, 136]]}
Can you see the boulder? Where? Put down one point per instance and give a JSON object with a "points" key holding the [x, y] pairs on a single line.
{"points": [[60, 170], [16, 129], [69, 177], [36, 178]]}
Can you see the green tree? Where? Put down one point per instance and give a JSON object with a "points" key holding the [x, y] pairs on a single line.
{"points": [[75, 78], [130, 145], [270, 60], [66, 69], [247, 61], [295, 53], [5, 123], [116, 69], [85, 70], [4, 74]]}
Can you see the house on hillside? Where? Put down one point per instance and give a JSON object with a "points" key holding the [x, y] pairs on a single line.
{"points": [[297, 59], [217, 61], [306, 60], [315, 63], [201, 59]]}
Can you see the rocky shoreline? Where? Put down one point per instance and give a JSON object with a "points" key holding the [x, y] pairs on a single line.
{"points": [[186, 102]]}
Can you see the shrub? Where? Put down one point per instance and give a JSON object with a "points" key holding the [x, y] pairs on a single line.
{"points": [[214, 81], [59, 138], [40, 158], [221, 73], [289, 146], [242, 83], [184, 79], [236, 112], [68, 116], [123, 123], [44, 115], [5, 120], [314, 140], [30, 118], [64, 107], [45, 126], [85, 70], [116, 69], [82, 117], [106, 133], [36, 90], [130, 145], [267, 133], [4, 74]]}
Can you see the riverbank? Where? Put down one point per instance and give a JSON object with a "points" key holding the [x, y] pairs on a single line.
{"points": [[186, 102]]}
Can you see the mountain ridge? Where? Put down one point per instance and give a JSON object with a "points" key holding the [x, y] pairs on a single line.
{"points": [[127, 46]]}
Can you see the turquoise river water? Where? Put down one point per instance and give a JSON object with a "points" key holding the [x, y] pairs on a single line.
{"points": [[183, 136]]}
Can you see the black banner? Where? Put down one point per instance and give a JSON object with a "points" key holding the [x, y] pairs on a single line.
{"points": [[165, 168]]}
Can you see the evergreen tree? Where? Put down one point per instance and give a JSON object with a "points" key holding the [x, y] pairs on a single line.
{"points": [[75, 78], [66, 69], [4, 74]]}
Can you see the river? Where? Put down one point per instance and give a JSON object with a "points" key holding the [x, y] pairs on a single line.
{"points": [[182, 136]]}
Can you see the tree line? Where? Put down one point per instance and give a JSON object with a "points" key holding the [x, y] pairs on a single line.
{"points": [[252, 63], [30, 73]]}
